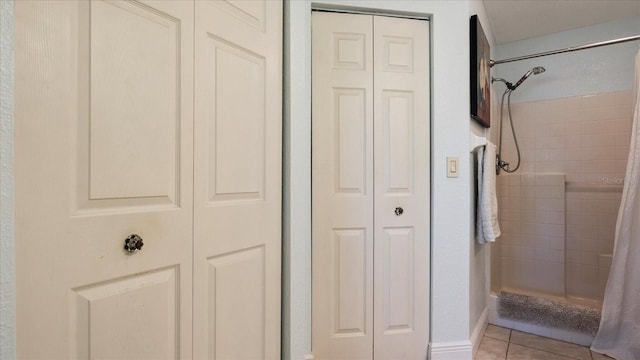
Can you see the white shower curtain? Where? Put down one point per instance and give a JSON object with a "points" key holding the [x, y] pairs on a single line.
{"points": [[619, 332]]}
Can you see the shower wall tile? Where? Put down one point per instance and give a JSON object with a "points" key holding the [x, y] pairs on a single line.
{"points": [[586, 138], [532, 243]]}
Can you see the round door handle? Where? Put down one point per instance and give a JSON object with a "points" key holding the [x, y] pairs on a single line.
{"points": [[398, 211], [133, 243]]}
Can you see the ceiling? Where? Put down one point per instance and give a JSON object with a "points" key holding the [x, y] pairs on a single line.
{"points": [[513, 20]]}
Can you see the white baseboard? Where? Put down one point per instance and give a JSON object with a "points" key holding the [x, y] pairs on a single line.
{"points": [[454, 350], [478, 330], [309, 357]]}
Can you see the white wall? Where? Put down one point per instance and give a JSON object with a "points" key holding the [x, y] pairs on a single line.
{"points": [[7, 277], [603, 69], [479, 254], [451, 199]]}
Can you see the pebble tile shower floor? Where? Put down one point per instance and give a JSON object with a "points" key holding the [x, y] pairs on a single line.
{"points": [[502, 343]]}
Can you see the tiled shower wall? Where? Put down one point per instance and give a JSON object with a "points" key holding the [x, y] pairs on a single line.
{"points": [[532, 244], [586, 138]]}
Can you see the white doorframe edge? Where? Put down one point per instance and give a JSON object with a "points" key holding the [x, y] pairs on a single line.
{"points": [[7, 215]]}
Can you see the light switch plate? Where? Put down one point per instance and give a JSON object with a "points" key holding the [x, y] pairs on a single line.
{"points": [[453, 167]]}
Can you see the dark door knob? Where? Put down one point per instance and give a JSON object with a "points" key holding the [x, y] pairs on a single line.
{"points": [[133, 243]]}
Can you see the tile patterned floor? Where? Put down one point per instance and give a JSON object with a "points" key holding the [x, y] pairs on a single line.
{"points": [[506, 344]]}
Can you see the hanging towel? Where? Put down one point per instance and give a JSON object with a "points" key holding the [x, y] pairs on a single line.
{"points": [[487, 227]]}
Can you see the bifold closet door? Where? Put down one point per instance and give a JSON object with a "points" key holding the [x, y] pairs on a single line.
{"points": [[370, 191], [238, 127], [342, 186], [401, 188], [111, 141], [104, 115]]}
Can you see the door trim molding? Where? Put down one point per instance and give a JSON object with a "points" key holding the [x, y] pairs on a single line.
{"points": [[327, 10], [335, 8], [7, 213], [296, 231]]}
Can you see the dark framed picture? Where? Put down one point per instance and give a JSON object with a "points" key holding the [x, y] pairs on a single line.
{"points": [[480, 69]]}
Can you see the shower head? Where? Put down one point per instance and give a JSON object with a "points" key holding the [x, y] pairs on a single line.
{"points": [[535, 71], [538, 70]]}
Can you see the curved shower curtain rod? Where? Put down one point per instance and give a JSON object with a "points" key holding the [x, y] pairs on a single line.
{"points": [[569, 49]]}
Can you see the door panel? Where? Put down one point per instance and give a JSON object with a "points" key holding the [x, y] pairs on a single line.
{"points": [[236, 135], [103, 150], [398, 285], [401, 158], [342, 187], [236, 298], [351, 150], [349, 294], [132, 47], [370, 159], [237, 179], [146, 303], [397, 123], [123, 50]]}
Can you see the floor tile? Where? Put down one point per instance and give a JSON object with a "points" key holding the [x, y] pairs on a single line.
{"points": [[518, 352], [497, 332], [572, 351], [492, 349], [597, 356]]}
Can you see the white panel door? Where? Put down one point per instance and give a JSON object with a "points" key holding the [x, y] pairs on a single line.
{"points": [[237, 193], [370, 213], [342, 186], [401, 190], [103, 150]]}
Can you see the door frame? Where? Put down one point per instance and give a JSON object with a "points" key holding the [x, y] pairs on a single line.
{"points": [[380, 224], [296, 181], [7, 222]]}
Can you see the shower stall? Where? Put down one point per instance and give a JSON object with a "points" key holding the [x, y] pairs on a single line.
{"points": [[558, 210]]}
